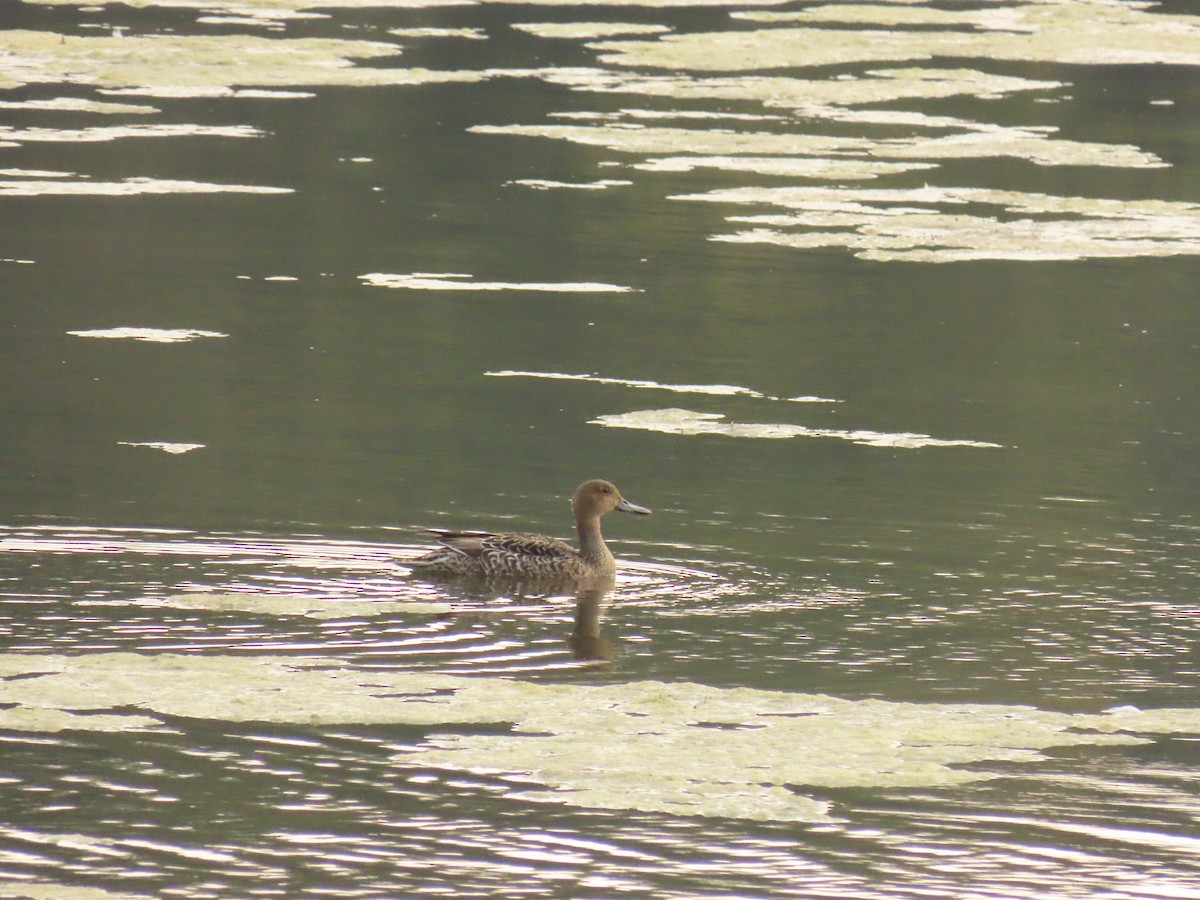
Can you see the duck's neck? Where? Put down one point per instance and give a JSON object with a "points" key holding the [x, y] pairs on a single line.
{"points": [[591, 544]]}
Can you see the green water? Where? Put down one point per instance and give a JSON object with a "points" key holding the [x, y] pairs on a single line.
{"points": [[915, 484]]}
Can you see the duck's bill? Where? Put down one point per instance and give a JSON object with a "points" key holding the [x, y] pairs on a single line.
{"points": [[626, 506]]}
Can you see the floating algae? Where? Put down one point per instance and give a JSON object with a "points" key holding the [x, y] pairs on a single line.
{"points": [[128, 187], [1036, 146], [588, 30], [722, 390], [200, 65], [681, 748], [872, 86], [688, 422], [453, 281], [291, 605], [1078, 32], [932, 224], [173, 447], [153, 335]]}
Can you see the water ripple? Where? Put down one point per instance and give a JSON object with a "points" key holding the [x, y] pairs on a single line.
{"points": [[159, 590]]}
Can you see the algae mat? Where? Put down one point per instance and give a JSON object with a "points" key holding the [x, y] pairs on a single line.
{"points": [[682, 749]]}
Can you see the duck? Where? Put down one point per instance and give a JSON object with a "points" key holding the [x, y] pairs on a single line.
{"points": [[534, 556]]}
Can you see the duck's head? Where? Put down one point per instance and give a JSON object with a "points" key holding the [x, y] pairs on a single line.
{"points": [[594, 498]]}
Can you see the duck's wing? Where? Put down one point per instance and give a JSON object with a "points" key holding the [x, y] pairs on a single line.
{"points": [[524, 545], [480, 543], [468, 543]]}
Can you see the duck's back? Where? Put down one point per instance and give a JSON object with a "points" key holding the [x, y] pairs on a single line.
{"points": [[485, 553]]}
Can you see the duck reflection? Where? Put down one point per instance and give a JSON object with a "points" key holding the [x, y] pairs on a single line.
{"points": [[587, 640]]}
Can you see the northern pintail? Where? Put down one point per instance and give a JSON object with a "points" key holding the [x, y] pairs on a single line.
{"points": [[534, 556]]}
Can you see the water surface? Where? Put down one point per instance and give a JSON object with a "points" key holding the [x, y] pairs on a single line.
{"points": [[885, 309]]}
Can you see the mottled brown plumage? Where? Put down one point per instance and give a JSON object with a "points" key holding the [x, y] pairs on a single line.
{"points": [[536, 556]]}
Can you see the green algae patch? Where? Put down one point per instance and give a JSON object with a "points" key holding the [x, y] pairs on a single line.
{"points": [[455, 281], [773, 48], [200, 65], [46, 890], [628, 138], [152, 335], [976, 141], [933, 224], [721, 390], [1082, 32], [48, 721], [264, 12], [128, 187], [278, 12], [588, 30], [688, 422], [784, 166], [848, 128], [470, 34], [117, 132], [688, 749], [542, 184], [232, 689], [653, 4], [996, 19], [75, 104], [679, 749], [872, 86], [175, 448], [290, 605]]}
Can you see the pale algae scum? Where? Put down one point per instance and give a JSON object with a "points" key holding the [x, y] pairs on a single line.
{"points": [[923, 225], [892, 43], [150, 335], [646, 746], [806, 126]]}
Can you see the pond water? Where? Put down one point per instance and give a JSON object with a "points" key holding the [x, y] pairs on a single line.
{"points": [[887, 310]]}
